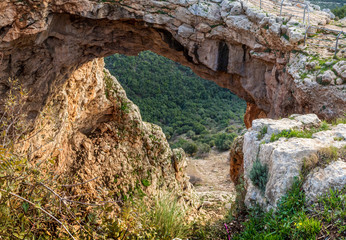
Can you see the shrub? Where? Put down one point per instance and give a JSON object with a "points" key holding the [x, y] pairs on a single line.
{"points": [[340, 12], [190, 148], [224, 141], [203, 149], [190, 134], [259, 175]]}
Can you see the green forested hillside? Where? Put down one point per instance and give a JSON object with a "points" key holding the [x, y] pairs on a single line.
{"points": [[331, 4], [340, 12], [183, 104]]}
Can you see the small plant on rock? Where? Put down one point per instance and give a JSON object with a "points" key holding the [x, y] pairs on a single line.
{"points": [[259, 175], [263, 132]]}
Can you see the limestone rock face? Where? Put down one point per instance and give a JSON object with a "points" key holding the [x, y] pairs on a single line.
{"points": [[284, 158], [232, 43], [321, 180], [92, 131]]}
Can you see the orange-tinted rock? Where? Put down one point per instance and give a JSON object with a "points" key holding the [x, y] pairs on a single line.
{"points": [[236, 160], [91, 136], [252, 113]]}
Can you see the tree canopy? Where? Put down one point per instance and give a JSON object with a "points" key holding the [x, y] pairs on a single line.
{"points": [[173, 97]]}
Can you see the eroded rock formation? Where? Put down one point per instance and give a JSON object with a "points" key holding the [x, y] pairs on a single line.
{"points": [[288, 158], [240, 48], [237, 160], [92, 131]]}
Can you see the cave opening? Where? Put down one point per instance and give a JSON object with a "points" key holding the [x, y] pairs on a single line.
{"points": [[194, 113], [45, 61]]}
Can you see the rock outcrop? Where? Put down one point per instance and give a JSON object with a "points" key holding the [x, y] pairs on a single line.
{"points": [[282, 159], [232, 43], [92, 131], [237, 160]]}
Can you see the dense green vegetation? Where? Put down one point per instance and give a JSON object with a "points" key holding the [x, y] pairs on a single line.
{"points": [[194, 113], [294, 219], [331, 4], [340, 12]]}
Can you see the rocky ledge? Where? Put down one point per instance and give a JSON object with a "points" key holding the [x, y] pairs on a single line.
{"points": [[278, 151]]}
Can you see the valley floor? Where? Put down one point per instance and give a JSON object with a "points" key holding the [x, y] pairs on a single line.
{"points": [[210, 176]]}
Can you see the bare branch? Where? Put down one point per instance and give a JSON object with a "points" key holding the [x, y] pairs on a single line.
{"points": [[62, 199], [43, 210], [77, 184]]}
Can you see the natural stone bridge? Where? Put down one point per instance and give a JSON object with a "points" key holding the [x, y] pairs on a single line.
{"points": [[242, 49]]}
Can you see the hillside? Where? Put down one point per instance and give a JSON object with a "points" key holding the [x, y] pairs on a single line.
{"points": [[172, 96], [78, 162], [331, 4]]}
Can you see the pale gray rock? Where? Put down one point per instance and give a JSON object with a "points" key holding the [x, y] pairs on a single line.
{"points": [[264, 21], [185, 30], [295, 34], [284, 29], [157, 18], [339, 81], [311, 65], [316, 7], [236, 8], [285, 157], [275, 28], [308, 120], [340, 69], [226, 5], [320, 181], [327, 10], [328, 77], [241, 22], [207, 10], [272, 20]]}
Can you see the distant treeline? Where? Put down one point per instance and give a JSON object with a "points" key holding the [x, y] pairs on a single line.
{"points": [[194, 113], [331, 4]]}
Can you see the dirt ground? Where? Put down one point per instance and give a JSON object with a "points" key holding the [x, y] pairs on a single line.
{"points": [[211, 179]]}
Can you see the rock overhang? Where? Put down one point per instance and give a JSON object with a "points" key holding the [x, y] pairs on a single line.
{"points": [[231, 43]]}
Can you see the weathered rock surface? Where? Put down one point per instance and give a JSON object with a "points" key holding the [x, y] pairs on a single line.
{"points": [[232, 43], [237, 160], [320, 181], [285, 157], [91, 136]]}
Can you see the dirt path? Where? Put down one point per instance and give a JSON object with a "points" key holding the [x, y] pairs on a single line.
{"points": [[211, 179]]}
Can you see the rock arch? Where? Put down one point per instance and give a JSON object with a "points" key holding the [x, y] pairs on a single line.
{"points": [[223, 41]]}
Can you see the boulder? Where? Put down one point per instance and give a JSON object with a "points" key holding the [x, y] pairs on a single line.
{"points": [[295, 34], [327, 10], [284, 158], [321, 180], [328, 77], [340, 69]]}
